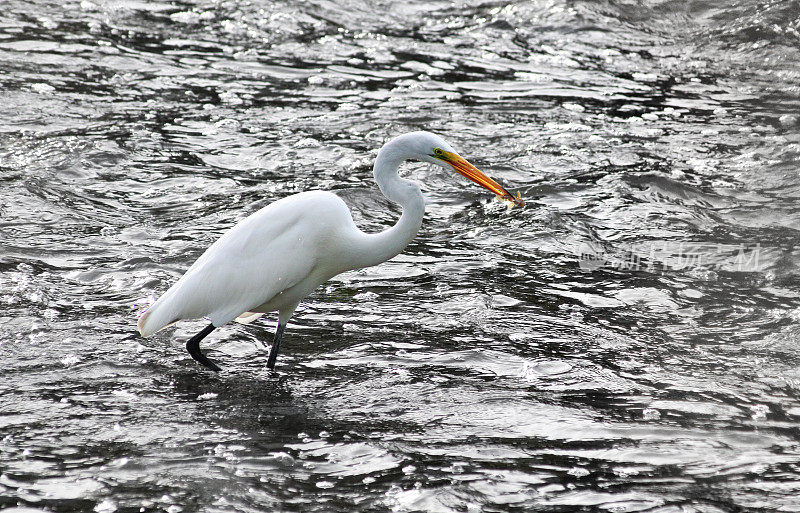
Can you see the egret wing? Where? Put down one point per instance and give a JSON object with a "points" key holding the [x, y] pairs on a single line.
{"points": [[269, 252], [245, 272]]}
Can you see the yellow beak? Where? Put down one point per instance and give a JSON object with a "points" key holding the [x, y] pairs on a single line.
{"points": [[473, 173]]}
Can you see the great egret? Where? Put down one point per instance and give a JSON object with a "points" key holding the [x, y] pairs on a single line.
{"points": [[274, 258]]}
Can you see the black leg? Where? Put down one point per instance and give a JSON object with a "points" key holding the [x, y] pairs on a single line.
{"points": [[193, 346], [276, 345]]}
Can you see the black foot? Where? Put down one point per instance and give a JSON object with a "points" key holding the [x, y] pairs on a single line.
{"points": [[193, 346]]}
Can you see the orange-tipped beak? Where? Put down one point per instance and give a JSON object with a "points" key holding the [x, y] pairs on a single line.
{"points": [[473, 173]]}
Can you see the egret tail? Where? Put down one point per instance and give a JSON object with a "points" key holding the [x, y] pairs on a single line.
{"points": [[160, 315]]}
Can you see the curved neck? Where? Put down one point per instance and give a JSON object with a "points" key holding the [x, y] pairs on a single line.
{"points": [[373, 249]]}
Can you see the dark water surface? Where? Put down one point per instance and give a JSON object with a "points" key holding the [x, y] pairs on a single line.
{"points": [[630, 341]]}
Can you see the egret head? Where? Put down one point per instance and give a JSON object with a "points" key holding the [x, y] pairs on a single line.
{"points": [[431, 148]]}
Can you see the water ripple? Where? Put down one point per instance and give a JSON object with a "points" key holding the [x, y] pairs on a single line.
{"points": [[627, 342]]}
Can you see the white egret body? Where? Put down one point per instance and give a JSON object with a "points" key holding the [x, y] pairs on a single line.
{"points": [[277, 256]]}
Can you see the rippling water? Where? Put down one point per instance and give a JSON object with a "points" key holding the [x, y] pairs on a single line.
{"points": [[627, 342]]}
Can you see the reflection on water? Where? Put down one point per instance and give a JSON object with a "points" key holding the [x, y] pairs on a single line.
{"points": [[627, 342]]}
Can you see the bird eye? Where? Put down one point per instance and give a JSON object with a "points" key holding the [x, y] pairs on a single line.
{"points": [[438, 152]]}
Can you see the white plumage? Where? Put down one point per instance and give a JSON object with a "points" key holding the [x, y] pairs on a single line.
{"points": [[264, 263], [275, 257]]}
